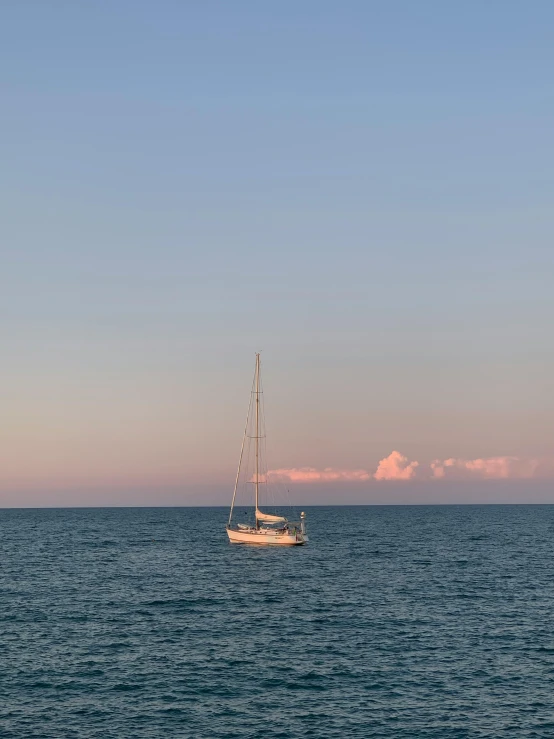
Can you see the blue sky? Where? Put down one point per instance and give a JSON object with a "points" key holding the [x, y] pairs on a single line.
{"points": [[362, 190]]}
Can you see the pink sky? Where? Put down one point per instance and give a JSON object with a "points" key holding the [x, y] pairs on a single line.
{"points": [[135, 431], [393, 479]]}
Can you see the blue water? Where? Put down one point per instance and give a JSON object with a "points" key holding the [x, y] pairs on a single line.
{"points": [[393, 622]]}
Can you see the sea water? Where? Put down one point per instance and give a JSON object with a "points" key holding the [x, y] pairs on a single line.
{"points": [[403, 621]]}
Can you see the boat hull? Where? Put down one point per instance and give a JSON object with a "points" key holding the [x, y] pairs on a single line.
{"points": [[266, 538]]}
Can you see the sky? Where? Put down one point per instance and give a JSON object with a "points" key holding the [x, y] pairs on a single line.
{"points": [[362, 191]]}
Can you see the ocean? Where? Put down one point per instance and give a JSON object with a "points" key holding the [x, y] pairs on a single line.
{"points": [[394, 621]]}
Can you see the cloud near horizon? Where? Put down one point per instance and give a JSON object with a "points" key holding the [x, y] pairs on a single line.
{"points": [[493, 468], [398, 467], [311, 474]]}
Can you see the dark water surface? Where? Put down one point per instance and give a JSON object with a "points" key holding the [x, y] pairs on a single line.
{"points": [[393, 622]]}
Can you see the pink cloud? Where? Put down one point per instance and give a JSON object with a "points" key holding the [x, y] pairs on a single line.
{"points": [[396, 467], [311, 474], [486, 468]]}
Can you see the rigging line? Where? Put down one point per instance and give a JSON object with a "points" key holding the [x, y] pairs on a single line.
{"points": [[240, 461], [272, 498], [269, 499], [293, 508], [268, 491], [257, 435], [246, 464]]}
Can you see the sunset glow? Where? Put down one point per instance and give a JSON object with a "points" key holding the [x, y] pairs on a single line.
{"points": [[363, 197]]}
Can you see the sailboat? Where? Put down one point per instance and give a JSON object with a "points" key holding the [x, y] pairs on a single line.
{"points": [[267, 529]]}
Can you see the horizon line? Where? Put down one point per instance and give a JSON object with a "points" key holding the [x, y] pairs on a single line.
{"points": [[299, 505]]}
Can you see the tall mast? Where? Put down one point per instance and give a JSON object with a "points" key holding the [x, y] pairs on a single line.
{"points": [[257, 430]]}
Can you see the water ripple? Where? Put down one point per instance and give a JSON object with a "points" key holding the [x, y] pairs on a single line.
{"points": [[418, 622]]}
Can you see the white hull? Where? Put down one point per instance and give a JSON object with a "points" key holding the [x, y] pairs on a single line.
{"points": [[265, 537]]}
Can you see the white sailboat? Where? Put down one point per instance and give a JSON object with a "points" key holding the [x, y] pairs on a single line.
{"points": [[267, 528]]}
